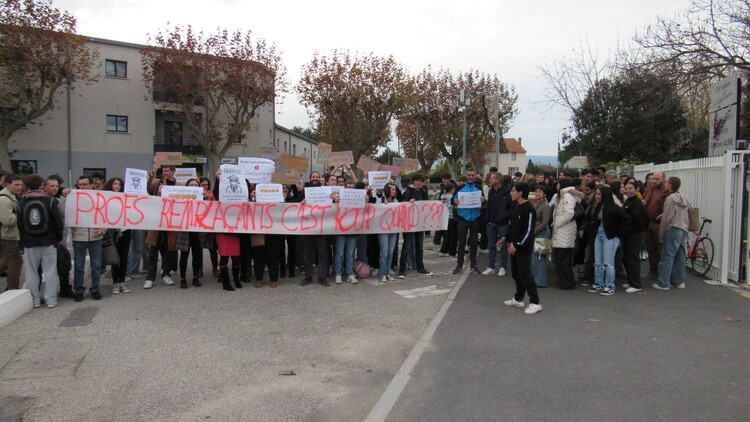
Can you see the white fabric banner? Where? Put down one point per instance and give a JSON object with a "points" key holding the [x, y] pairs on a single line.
{"points": [[103, 209]]}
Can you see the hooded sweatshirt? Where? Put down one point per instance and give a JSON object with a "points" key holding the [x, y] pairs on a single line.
{"points": [[675, 214]]}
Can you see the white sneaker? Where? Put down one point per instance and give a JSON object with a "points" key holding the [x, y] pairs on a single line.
{"points": [[167, 280], [680, 286], [116, 289], [392, 273], [514, 302], [442, 254], [658, 287], [148, 284], [389, 278], [124, 288], [532, 309], [375, 272], [625, 285], [338, 279], [488, 271], [501, 272], [352, 279], [384, 279], [632, 290]]}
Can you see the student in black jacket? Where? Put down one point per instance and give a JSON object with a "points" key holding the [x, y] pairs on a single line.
{"points": [[520, 242], [633, 241]]}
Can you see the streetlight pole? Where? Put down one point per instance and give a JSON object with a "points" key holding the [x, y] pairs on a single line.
{"points": [[497, 134], [464, 102]]}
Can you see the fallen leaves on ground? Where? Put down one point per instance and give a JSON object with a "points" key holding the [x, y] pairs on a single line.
{"points": [[287, 373], [593, 321], [732, 319]]}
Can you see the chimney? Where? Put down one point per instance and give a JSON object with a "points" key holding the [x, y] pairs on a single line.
{"points": [[519, 141]]}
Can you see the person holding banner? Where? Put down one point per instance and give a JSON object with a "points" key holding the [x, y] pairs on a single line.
{"points": [[209, 240], [387, 241], [265, 248], [162, 243], [187, 243], [228, 245], [315, 245], [345, 245], [414, 240], [122, 244], [288, 242]]}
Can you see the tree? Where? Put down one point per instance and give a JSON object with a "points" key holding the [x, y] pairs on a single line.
{"points": [[307, 132], [387, 156], [414, 143], [637, 117], [40, 53], [353, 98], [216, 81]]}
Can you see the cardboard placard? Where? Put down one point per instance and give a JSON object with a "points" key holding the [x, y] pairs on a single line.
{"points": [[136, 181], [367, 164], [395, 170], [269, 153], [406, 164], [286, 179], [340, 158], [168, 158], [232, 186], [182, 193], [299, 164], [182, 175], [269, 193], [324, 150]]}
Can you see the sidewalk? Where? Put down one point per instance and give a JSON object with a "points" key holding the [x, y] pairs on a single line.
{"points": [[656, 356]]}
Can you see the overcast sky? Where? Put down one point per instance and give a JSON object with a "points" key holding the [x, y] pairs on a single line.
{"points": [[508, 38]]}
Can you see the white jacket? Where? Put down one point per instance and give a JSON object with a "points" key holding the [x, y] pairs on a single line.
{"points": [[564, 230]]}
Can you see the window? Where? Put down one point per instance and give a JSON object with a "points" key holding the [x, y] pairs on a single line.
{"points": [[315, 154], [305, 152], [285, 151], [294, 149], [88, 171], [513, 156], [117, 123], [115, 69]]}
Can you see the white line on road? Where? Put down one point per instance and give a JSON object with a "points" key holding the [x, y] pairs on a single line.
{"points": [[391, 394], [431, 290]]}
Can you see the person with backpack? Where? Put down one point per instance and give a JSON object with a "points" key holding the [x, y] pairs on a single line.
{"points": [[564, 232], [40, 225], [9, 234]]}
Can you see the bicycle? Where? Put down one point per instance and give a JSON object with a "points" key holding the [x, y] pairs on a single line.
{"points": [[701, 254]]}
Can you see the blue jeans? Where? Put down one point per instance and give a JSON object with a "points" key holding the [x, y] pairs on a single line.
{"points": [[362, 248], [604, 259], [495, 233], [135, 253], [387, 244], [345, 245], [673, 256], [539, 264], [94, 249]]}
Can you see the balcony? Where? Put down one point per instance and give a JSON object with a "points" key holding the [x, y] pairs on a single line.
{"points": [[184, 145]]}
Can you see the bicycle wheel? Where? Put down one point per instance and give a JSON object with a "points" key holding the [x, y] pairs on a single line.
{"points": [[704, 257]]}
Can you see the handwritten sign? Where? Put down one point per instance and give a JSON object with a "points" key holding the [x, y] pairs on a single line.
{"points": [[256, 170], [182, 175], [182, 192], [136, 181], [353, 198], [323, 151], [367, 164], [269, 153], [286, 179], [395, 170], [406, 164], [290, 162], [232, 186], [340, 158], [470, 199], [268, 193], [318, 196], [378, 179], [335, 189], [104, 209], [169, 158]]}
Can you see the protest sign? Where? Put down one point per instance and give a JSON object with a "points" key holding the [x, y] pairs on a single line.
{"points": [[182, 192], [395, 170], [104, 209], [335, 189], [266, 193], [299, 164], [318, 195], [136, 181], [286, 179], [406, 164], [269, 153], [169, 158], [232, 186], [340, 158], [367, 164], [470, 199], [378, 179], [323, 151], [182, 175], [353, 198], [256, 170]]}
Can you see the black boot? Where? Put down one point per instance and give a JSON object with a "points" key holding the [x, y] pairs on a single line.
{"points": [[224, 279], [66, 290], [196, 282], [183, 283], [236, 276]]}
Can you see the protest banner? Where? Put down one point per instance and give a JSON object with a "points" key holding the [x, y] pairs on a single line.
{"points": [[104, 209], [395, 170], [406, 164], [367, 164], [268, 193], [182, 175], [378, 179], [182, 192], [353, 198], [323, 151], [232, 186], [269, 153], [318, 195], [340, 158], [286, 179], [256, 170], [299, 164], [168, 158], [470, 199], [136, 181]]}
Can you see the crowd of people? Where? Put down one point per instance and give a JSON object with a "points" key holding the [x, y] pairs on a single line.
{"points": [[593, 226]]}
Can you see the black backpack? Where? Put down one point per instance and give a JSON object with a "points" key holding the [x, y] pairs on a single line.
{"points": [[36, 216]]}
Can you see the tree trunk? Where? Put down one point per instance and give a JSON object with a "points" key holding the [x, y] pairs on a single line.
{"points": [[4, 156], [213, 161]]}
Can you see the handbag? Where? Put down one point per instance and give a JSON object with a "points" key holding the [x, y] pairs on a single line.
{"points": [[694, 218], [542, 246], [110, 256]]}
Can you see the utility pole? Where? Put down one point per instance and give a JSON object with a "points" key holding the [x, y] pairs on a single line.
{"points": [[464, 98]]}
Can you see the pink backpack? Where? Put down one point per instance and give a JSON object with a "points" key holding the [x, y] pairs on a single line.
{"points": [[361, 269]]}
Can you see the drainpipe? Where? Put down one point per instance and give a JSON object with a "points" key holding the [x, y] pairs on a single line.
{"points": [[70, 138]]}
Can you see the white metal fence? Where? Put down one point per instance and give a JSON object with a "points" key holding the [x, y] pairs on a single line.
{"points": [[715, 186]]}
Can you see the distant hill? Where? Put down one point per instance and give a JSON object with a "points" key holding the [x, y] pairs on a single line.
{"points": [[542, 159]]}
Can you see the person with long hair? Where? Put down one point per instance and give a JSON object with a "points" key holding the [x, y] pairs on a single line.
{"points": [[613, 222], [673, 230], [633, 241], [387, 241], [187, 243], [122, 243], [541, 231], [209, 241]]}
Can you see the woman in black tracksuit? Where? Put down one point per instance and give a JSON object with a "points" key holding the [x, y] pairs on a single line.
{"points": [[633, 241]]}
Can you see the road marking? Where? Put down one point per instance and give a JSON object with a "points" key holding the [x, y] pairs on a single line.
{"points": [[391, 394], [422, 292]]}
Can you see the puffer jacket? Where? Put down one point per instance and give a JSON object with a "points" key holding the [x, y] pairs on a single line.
{"points": [[564, 229]]}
